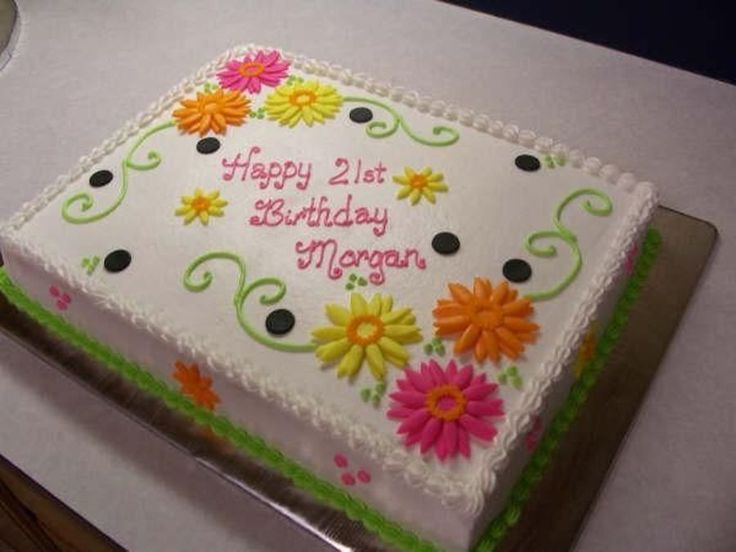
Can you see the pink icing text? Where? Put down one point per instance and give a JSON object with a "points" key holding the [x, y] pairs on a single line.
{"points": [[273, 173]]}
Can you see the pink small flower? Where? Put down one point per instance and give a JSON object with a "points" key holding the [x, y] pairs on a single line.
{"points": [[364, 476], [341, 461], [441, 409], [62, 299], [251, 72], [348, 479]]}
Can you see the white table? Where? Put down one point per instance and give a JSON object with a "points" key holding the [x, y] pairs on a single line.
{"points": [[81, 68]]}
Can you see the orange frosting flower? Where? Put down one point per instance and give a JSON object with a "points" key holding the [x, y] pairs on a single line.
{"points": [[212, 111], [195, 385], [491, 321]]}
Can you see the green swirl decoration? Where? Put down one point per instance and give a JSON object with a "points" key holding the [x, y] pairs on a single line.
{"points": [[242, 292], [83, 201], [563, 233], [446, 136]]}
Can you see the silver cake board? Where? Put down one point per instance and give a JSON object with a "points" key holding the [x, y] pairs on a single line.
{"points": [[557, 506]]}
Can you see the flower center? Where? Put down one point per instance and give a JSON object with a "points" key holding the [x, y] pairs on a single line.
{"points": [[300, 98], [211, 106], [487, 316], [200, 204], [365, 330], [446, 402], [251, 69], [418, 181]]}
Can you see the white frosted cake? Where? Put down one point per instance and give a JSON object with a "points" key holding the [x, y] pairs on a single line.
{"points": [[396, 303]]}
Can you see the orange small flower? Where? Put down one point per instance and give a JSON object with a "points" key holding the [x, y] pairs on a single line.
{"points": [[491, 321], [212, 111], [195, 385]]}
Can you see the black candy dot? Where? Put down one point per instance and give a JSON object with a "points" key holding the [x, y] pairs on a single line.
{"points": [[208, 145], [117, 261], [517, 270], [98, 179], [445, 243], [280, 322], [361, 115], [527, 163]]}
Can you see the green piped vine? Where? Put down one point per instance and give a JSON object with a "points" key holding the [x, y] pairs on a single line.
{"points": [[563, 233], [445, 136], [391, 532], [84, 201], [242, 291]]}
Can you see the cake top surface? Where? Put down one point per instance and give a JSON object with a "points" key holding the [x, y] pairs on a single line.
{"points": [[407, 275]]}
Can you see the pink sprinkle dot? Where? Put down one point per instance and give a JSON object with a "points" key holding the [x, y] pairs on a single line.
{"points": [[348, 479], [61, 305], [341, 461], [53, 290], [364, 476]]}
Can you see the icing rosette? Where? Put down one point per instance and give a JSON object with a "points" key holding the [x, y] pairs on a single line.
{"points": [[489, 321], [253, 71], [368, 330], [442, 408], [212, 112]]}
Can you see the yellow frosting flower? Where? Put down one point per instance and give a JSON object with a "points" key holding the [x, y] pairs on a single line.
{"points": [[368, 330], [416, 185], [309, 101], [201, 205]]}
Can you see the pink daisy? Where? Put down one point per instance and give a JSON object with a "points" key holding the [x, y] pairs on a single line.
{"points": [[442, 408], [251, 72]]}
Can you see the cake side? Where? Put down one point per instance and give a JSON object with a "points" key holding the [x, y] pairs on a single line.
{"points": [[464, 488]]}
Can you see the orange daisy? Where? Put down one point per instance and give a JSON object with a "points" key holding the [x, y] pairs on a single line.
{"points": [[491, 321], [195, 385], [212, 111]]}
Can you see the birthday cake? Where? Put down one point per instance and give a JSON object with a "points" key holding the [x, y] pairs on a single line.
{"points": [[396, 303]]}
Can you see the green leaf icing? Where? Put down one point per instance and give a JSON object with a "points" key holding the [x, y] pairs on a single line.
{"points": [[242, 292], [84, 201], [563, 233], [446, 136]]}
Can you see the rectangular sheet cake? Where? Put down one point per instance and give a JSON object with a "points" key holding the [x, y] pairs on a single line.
{"points": [[386, 298]]}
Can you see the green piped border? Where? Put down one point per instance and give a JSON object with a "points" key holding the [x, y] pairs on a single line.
{"points": [[391, 532]]}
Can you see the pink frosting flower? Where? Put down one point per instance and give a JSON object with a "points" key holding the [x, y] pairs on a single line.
{"points": [[443, 408], [253, 71]]}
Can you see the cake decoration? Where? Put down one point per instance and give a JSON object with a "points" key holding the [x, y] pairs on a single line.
{"points": [[211, 112], [445, 243], [355, 280], [117, 261], [63, 300], [441, 408], [554, 160], [83, 201], [347, 478], [586, 352], [527, 163], [201, 205], [631, 256], [382, 129], [563, 233], [208, 145], [374, 394], [434, 346], [101, 178], [368, 330], [360, 115], [517, 270], [89, 264], [242, 291], [280, 322], [254, 71], [531, 439], [195, 385], [510, 376], [309, 102], [419, 184], [492, 322]]}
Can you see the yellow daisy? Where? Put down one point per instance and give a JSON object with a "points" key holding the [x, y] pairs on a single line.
{"points": [[368, 330], [309, 101], [201, 205], [416, 185]]}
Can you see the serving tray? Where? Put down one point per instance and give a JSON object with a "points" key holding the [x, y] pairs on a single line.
{"points": [[558, 505]]}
